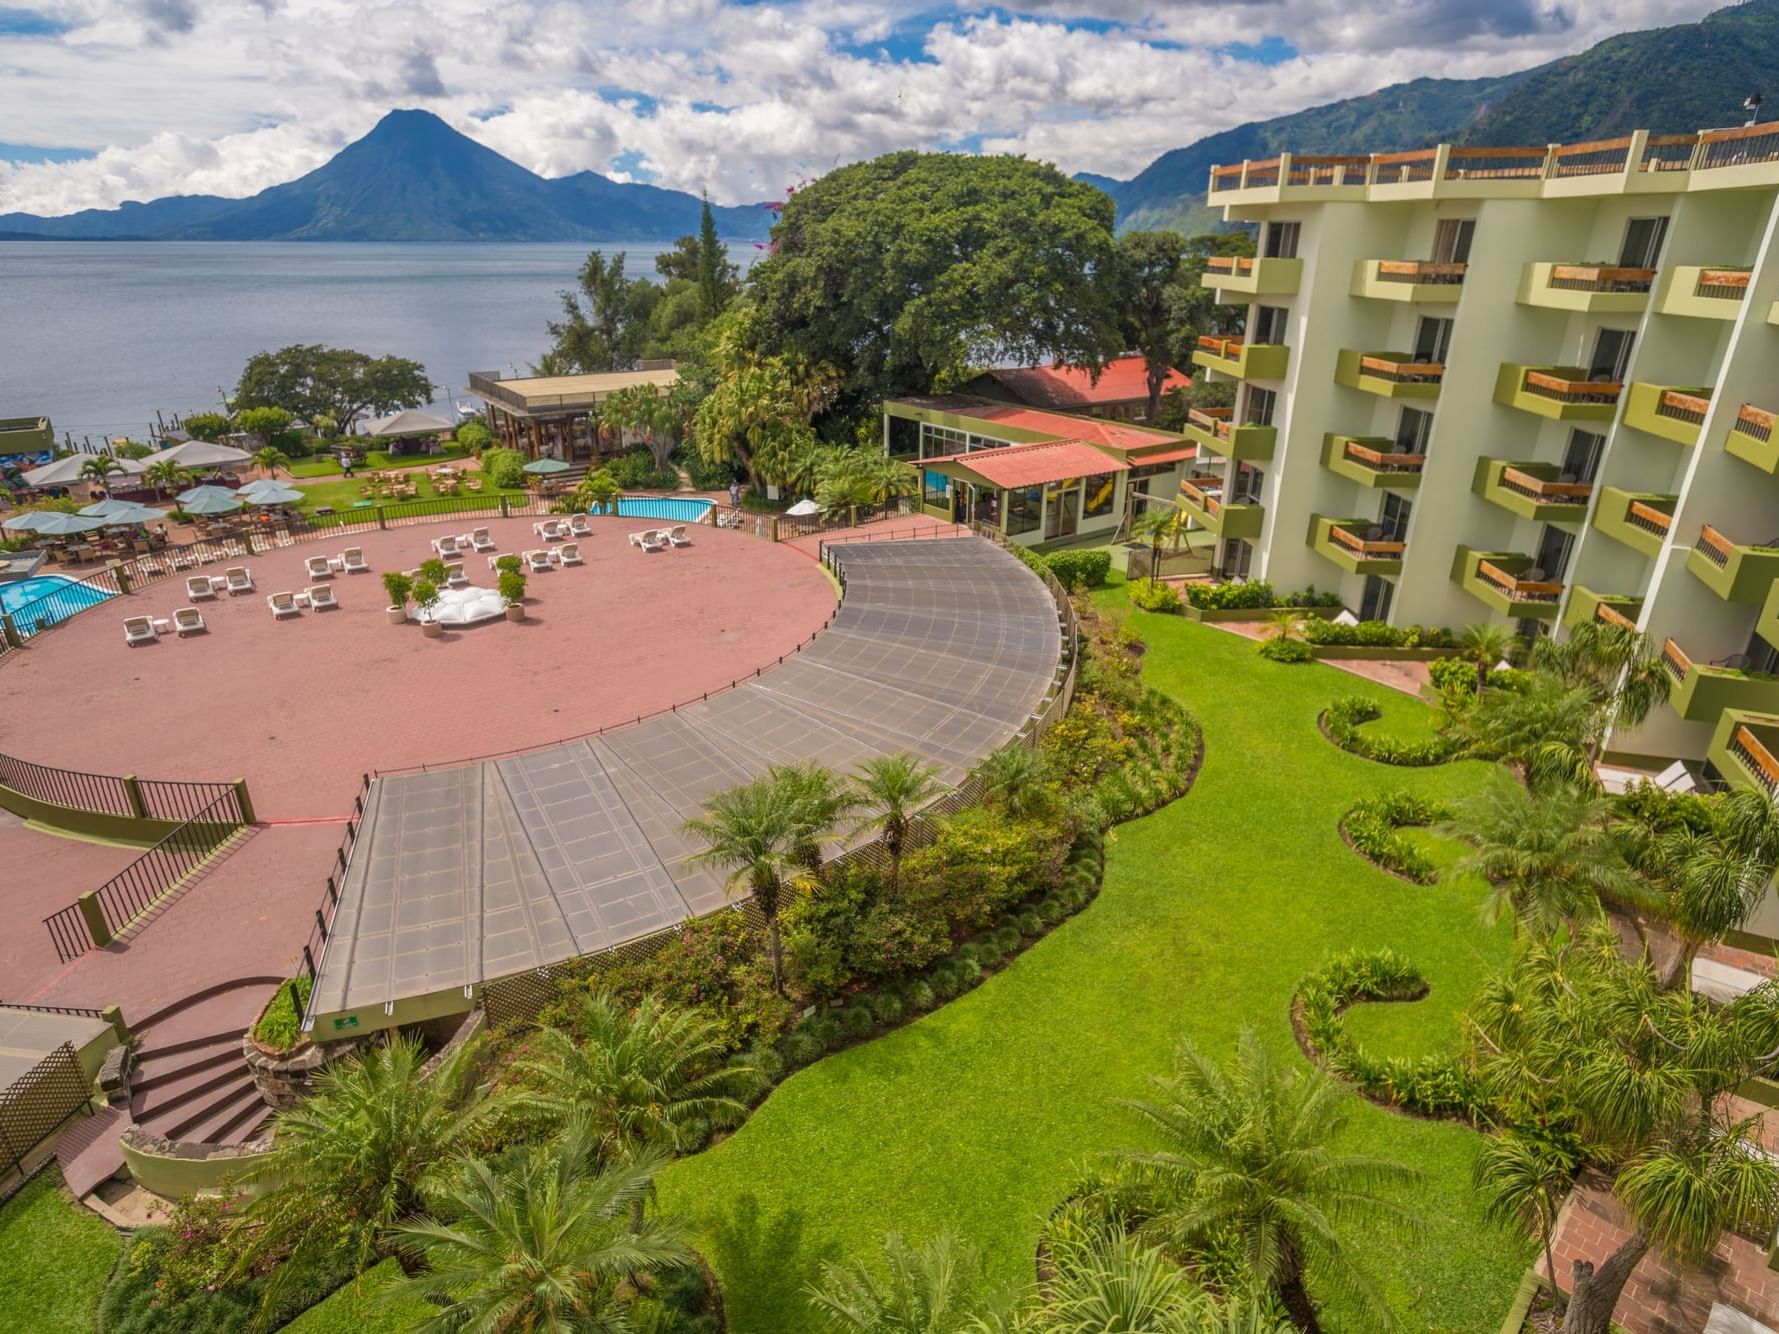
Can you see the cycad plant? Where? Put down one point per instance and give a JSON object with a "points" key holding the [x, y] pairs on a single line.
{"points": [[1016, 778], [936, 1288], [751, 832], [891, 789], [819, 800]]}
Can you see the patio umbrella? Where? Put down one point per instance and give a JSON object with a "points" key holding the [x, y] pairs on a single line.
{"points": [[118, 513], [223, 504], [540, 467], [200, 454], [205, 493], [66, 471], [269, 493], [410, 421], [52, 523], [803, 509]]}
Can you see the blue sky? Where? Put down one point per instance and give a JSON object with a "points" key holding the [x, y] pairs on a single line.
{"points": [[107, 100]]}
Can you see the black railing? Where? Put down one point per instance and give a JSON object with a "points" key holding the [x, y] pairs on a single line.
{"points": [[68, 599], [79, 1011], [104, 794], [315, 947], [164, 799]]}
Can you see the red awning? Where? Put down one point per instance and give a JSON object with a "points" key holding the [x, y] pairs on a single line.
{"points": [[1034, 465]]}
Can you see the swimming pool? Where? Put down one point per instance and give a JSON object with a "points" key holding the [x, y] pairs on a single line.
{"points": [[45, 599], [681, 509]]}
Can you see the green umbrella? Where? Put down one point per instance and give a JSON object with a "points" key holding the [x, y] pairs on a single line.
{"points": [[269, 493], [116, 513], [541, 466], [52, 523], [205, 493], [225, 503]]}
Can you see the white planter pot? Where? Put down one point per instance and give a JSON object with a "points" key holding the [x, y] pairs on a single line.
{"points": [[396, 615], [516, 613], [431, 629]]}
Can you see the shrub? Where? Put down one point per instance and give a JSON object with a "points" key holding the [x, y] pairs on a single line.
{"points": [[1452, 675], [982, 862], [1378, 634], [504, 468], [1030, 925], [1232, 596], [1279, 649], [897, 936], [886, 1008], [511, 584], [473, 436], [1151, 596], [1080, 569], [920, 997], [398, 587], [635, 469], [948, 980], [800, 1050], [1082, 745], [706, 476], [1005, 942], [1343, 718], [1374, 826], [280, 1024], [856, 1021]]}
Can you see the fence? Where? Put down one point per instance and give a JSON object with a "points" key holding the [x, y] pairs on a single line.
{"points": [[788, 528], [38, 1101], [315, 947], [103, 915], [109, 794]]}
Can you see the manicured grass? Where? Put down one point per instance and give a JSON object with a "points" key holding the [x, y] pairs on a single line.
{"points": [[361, 1308], [979, 1117], [341, 495], [54, 1259], [326, 465]]}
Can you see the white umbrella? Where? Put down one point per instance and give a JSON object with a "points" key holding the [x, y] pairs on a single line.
{"points": [[803, 509], [410, 421], [66, 471], [200, 454]]}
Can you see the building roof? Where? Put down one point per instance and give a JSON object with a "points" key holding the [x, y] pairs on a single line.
{"points": [[28, 1036], [1118, 436], [1035, 465], [562, 393], [1122, 381]]}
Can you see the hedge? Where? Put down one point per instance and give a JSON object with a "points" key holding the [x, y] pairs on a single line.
{"points": [[1254, 594], [1378, 634], [1341, 722], [1084, 568], [1374, 828]]}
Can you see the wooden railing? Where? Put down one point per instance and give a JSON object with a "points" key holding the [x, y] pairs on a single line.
{"points": [[1675, 660], [1678, 405], [1542, 488], [1600, 278], [1640, 514], [1755, 757], [1241, 265], [1597, 157], [1520, 590], [1382, 459], [1611, 615], [1420, 271], [1364, 546], [1756, 423], [1402, 372], [1404, 168], [1329, 169], [1567, 390], [1205, 491], [1714, 546], [1668, 152], [1219, 346], [1498, 164], [1212, 421], [1723, 284]]}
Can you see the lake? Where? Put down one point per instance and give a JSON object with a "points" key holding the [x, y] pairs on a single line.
{"points": [[99, 335]]}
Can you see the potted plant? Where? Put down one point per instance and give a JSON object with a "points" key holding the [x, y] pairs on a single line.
{"points": [[400, 588], [512, 592], [436, 570], [426, 597], [509, 563]]}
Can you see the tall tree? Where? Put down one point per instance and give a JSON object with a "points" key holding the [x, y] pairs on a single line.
{"points": [[717, 277], [892, 788], [751, 832], [1152, 264], [818, 800], [315, 382], [758, 413], [604, 321], [1619, 668]]}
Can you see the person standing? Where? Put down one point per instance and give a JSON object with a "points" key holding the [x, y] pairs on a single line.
{"points": [[734, 494]]}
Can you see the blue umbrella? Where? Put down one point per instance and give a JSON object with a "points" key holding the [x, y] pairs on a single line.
{"points": [[52, 523], [224, 503], [205, 493]]}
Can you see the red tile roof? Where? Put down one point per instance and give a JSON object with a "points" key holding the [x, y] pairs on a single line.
{"points": [[1035, 465], [1122, 381], [1166, 456], [1112, 435]]}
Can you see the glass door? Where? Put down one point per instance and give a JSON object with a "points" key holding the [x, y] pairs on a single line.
{"points": [[1451, 240], [1375, 598], [1612, 356], [1553, 555], [1062, 509], [1433, 340], [1643, 243], [1581, 460]]}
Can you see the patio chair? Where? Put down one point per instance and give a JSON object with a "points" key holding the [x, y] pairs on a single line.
{"points": [[537, 561], [578, 525], [480, 540], [677, 535], [446, 547], [454, 575], [550, 530], [317, 568], [352, 561], [198, 587], [569, 553], [138, 630], [282, 605], [188, 621], [238, 579], [649, 539], [321, 597]]}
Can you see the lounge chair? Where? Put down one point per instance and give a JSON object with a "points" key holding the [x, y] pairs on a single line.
{"points": [[454, 575], [446, 547], [318, 568], [677, 535], [238, 579], [578, 525], [551, 530], [649, 539], [537, 561], [138, 630], [480, 540], [352, 561], [198, 586], [569, 553], [283, 604], [321, 597], [188, 621]]}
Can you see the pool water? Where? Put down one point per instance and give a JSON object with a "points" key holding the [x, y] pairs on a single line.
{"points": [[49, 597], [681, 509]]}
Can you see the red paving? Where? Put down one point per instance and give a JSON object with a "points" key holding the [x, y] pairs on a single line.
{"points": [[302, 707], [43, 874]]}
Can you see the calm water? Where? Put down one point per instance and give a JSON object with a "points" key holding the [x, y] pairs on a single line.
{"points": [[99, 335]]}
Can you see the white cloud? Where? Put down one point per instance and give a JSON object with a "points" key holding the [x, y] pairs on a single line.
{"points": [[220, 97]]}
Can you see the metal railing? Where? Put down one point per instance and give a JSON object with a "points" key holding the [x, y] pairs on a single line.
{"points": [[1755, 423], [1675, 660], [1678, 405], [1382, 460], [70, 598], [1567, 389], [1641, 514], [1714, 546], [314, 954], [1600, 278], [1723, 284], [1596, 157], [1499, 164], [1365, 546], [1760, 762], [109, 794], [1421, 271], [1523, 483], [1401, 372], [1520, 590]]}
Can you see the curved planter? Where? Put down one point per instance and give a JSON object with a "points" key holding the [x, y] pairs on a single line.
{"points": [[285, 1078], [173, 1168]]}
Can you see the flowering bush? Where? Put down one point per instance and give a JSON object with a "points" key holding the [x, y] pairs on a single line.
{"points": [[1151, 596]]}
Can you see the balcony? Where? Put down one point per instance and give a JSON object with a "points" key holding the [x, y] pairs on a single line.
{"points": [[1356, 545], [1672, 413], [1700, 691], [1373, 460], [1252, 275], [1639, 519], [1620, 609], [1751, 438], [1241, 360], [1766, 625], [1745, 750], [1416, 280], [1532, 490], [1735, 571], [1213, 431], [1701, 292], [1562, 393], [1597, 289], [1499, 580], [1388, 374], [1201, 495]]}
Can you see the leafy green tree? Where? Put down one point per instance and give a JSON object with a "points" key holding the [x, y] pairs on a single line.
{"points": [[846, 480], [270, 426], [653, 415], [541, 1239], [937, 1288], [757, 416], [718, 279], [604, 322], [819, 800], [100, 469], [315, 382], [1715, 876], [599, 492], [473, 435], [1153, 264], [1248, 1156], [1546, 728], [206, 425], [892, 788], [751, 831], [1483, 644], [905, 271], [1619, 668], [1015, 778]]}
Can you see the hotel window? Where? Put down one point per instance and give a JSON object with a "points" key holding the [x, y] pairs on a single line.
{"points": [[1581, 460], [1247, 483], [1394, 519], [1612, 356], [1643, 243], [1238, 559], [1025, 508], [1375, 598], [904, 438], [1098, 496], [1281, 239], [1451, 240], [935, 487], [1412, 430], [1269, 325], [1260, 403], [1433, 340]]}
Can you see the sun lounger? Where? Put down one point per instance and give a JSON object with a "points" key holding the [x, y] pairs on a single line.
{"points": [[446, 547], [650, 539], [537, 561], [551, 530], [199, 586], [283, 604], [238, 579], [454, 575], [729, 519], [677, 535], [321, 597], [318, 568], [188, 621], [352, 561], [480, 540], [578, 525], [569, 553], [138, 630]]}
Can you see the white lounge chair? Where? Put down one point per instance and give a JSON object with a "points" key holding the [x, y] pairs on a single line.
{"points": [[454, 575], [649, 539], [352, 561], [550, 530], [283, 604], [537, 561], [321, 597], [569, 553], [446, 547], [677, 535], [138, 630], [318, 568], [578, 525], [188, 621], [480, 540], [494, 562], [238, 579], [198, 586]]}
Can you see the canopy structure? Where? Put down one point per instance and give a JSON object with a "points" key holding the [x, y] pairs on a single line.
{"points": [[410, 421], [544, 466], [66, 471], [803, 509], [269, 492], [201, 454], [52, 523], [1028, 465]]}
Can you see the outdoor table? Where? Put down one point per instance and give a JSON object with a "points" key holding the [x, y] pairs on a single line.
{"points": [[324, 509], [161, 627]]}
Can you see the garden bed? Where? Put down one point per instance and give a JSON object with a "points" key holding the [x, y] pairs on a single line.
{"points": [[1348, 652]]}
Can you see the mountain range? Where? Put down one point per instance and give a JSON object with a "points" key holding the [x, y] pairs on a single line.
{"points": [[1668, 80], [412, 178]]}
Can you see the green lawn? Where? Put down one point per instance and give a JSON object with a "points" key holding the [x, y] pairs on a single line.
{"points": [[54, 1259], [978, 1117], [341, 495], [361, 1307], [327, 465]]}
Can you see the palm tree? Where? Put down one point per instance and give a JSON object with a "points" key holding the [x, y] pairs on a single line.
{"points": [[599, 492], [751, 832], [1620, 668], [100, 469], [1285, 622], [893, 788], [1547, 855], [1246, 1156], [1548, 729], [540, 1240], [1524, 1178], [933, 1289], [1484, 644], [641, 1077], [1717, 877], [269, 460], [1158, 526], [819, 799], [1015, 778], [165, 476]]}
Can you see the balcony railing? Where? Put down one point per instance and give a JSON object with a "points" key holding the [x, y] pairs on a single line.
{"points": [[1607, 614], [1402, 372], [1516, 588], [1365, 546], [1760, 762], [1204, 490], [1496, 164], [1404, 168], [1419, 271], [1597, 157], [1382, 459], [1220, 346], [1600, 278], [1756, 423], [1714, 546], [1213, 421], [1239, 265], [1729, 284], [1681, 406], [1565, 390], [1648, 518], [1675, 660], [1542, 489]]}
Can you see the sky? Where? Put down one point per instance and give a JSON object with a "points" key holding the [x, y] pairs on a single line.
{"points": [[103, 101]]}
